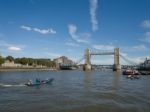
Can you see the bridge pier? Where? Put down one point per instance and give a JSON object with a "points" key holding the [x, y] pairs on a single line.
{"points": [[87, 66], [117, 65]]}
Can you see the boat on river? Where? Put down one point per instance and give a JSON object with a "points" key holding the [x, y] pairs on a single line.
{"points": [[132, 77], [39, 82], [130, 72]]}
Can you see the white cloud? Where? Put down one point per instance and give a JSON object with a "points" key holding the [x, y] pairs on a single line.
{"points": [[147, 34], [123, 54], [93, 7], [72, 44], [26, 28], [139, 47], [80, 38], [3, 43], [13, 48], [135, 48], [1, 35], [42, 31], [54, 55], [103, 47], [69, 50], [146, 23], [72, 30], [147, 37]]}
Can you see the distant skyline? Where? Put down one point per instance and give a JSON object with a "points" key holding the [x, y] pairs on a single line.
{"points": [[52, 28]]}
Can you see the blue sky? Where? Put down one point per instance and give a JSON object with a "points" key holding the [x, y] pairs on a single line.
{"points": [[51, 28]]}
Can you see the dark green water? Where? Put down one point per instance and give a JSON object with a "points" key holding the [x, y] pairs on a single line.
{"points": [[74, 91]]}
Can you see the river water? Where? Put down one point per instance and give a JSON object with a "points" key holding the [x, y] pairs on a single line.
{"points": [[74, 91]]}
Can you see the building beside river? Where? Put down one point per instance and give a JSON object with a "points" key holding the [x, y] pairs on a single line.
{"points": [[145, 65], [11, 63], [63, 60]]}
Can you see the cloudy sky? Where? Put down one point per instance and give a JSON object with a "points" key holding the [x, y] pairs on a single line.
{"points": [[51, 28]]}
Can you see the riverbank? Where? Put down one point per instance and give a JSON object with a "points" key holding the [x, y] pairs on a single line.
{"points": [[25, 69]]}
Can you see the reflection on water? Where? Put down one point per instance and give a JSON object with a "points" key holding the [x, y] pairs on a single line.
{"points": [[87, 81], [116, 81], [74, 91]]}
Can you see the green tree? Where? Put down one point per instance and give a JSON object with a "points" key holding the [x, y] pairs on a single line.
{"points": [[10, 58], [30, 61], [34, 62], [1, 60], [23, 61], [17, 60]]}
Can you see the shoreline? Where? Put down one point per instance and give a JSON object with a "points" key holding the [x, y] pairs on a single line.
{"points": [[2, 69]]}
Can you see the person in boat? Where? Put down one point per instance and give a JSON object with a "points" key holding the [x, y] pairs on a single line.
{"points": [[38, 80], [30, 82]]}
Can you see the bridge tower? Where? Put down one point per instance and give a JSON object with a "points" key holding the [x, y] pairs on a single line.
{"points": [[117, 65], [87, 66]]}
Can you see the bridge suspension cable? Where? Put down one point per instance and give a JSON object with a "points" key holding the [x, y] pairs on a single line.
{"points": [[80, 60], [128, 61]]}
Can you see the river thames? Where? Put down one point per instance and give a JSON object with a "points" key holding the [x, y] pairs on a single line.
{"points": [[74, 91]]}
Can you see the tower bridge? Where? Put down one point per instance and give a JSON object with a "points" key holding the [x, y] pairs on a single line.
{"points": [[88, 54], [87, 66]]}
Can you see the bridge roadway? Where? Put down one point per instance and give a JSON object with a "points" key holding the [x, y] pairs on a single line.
{"points": [[102, 53]]}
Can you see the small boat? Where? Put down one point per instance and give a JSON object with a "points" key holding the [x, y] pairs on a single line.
{"points": [[39, 82], [144, 73], [132, 77]]}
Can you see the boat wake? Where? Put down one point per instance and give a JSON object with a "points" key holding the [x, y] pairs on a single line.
{"points": [[10, 85]]}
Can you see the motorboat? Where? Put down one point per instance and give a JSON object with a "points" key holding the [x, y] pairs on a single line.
{"points": [[130, 72], [132, 77], [39, 82]]}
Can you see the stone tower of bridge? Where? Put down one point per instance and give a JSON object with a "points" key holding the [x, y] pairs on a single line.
{"points": [[117, 65], [87, 66]]}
